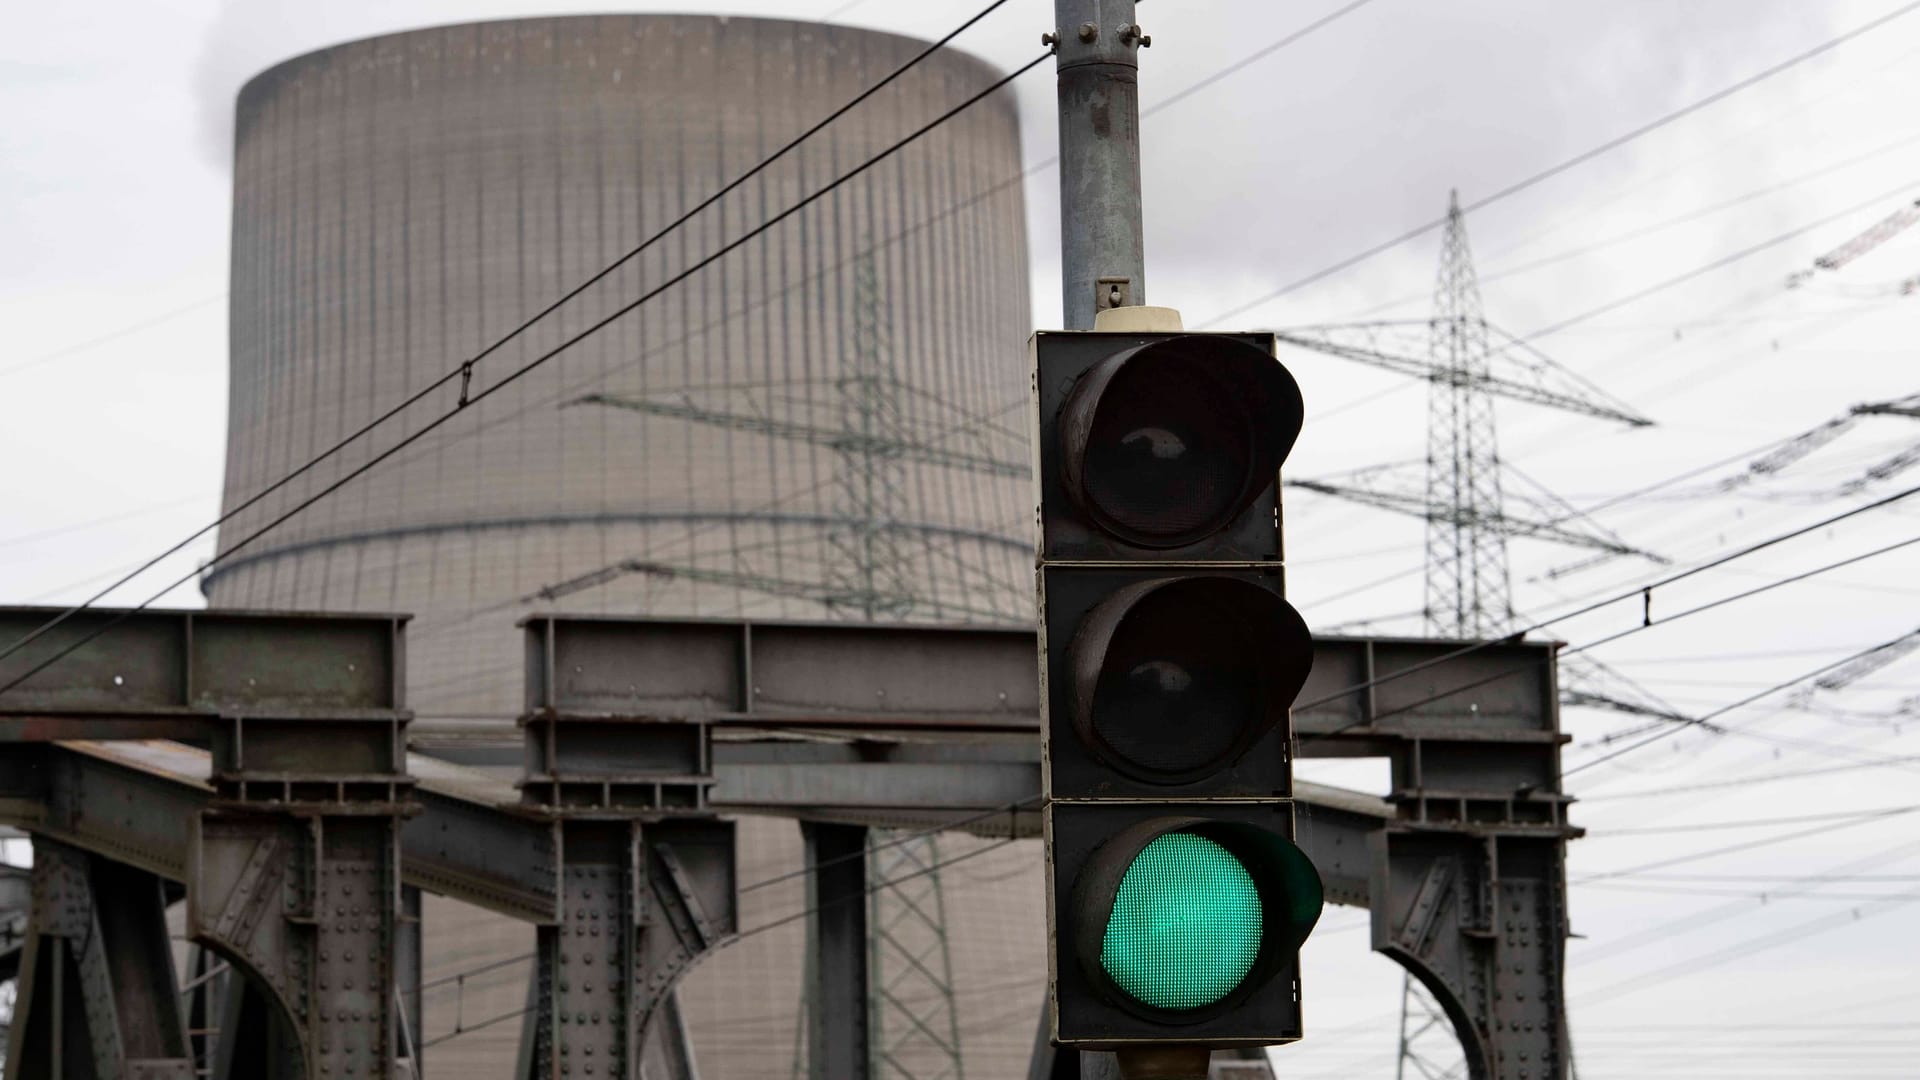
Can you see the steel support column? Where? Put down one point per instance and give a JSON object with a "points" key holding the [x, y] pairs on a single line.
{"points": [[610, 747], [408, 963], [838, 1045], [97, 995], [1468, 878], [637, 903], [308, 908], [584, 970], [1481, 922]]}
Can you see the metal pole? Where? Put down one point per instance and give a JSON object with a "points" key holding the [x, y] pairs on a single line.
{"points": [[1102, 254], [1103, 262]]}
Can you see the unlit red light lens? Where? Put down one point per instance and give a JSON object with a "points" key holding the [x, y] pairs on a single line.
{"points": [[1185, 926]]}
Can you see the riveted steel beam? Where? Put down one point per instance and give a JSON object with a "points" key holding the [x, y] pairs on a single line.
{"points": [[97, 994], [638, 902], [179, 674]]}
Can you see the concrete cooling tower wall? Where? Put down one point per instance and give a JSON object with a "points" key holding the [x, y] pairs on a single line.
{"points": [[826, 424]]}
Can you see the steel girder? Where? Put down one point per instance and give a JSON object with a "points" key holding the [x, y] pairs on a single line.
{"points": [[1467, 879], [97, 993], [288, 844], [1462, 863], [186, 674]]}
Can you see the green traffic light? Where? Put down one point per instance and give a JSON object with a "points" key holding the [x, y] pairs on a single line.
{"points": [[1185, 926]]}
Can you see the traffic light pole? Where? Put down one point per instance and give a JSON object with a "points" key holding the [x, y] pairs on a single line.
{"points": [[1103, 264]]}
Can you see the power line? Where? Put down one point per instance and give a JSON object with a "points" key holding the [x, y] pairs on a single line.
{"points": [[751, 932], [810, 868], [1723, 657], [1664, 224], [467, 399], [903, 838], [464, 371], [1763, 895], [1747, 948], [1555, 170], [873, 888], [1769, 878], [1749, 845], [1701, 721], [1635, 593], [1603, 504], [1719, 913], [82, 526], [1180, 95], [1749, 781], [1751, 823], [125, 331], [1253, 57], [1716, 264], [1724, 709]]}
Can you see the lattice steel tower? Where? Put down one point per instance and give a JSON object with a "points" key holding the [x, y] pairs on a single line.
{"points": [[1469, 594], [914, 1029], [868, 575]]}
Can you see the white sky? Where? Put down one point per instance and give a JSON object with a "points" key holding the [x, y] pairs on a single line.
{"points": [[113, 251]]}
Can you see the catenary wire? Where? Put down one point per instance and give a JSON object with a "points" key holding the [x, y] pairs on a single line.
{"points": [[1604, 504], [116, 335], [1662, 225], [1734, 952], [1748, 845], [1149, 111], [1179, 95], [1719, 913], [1716, 264], [464, 370], [1633, 593], [752, 931], [1749, 823], [1706, 718], [517, 373], [1572, 162], [1747, 781], [1697, 609], [810, 868]]}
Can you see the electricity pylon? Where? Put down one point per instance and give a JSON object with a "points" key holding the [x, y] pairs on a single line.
{"points": [[1467, 363], [869, 572], [1463, 498]]}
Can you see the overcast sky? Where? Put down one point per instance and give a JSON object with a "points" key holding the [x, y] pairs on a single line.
{"points": [[114, 188]]}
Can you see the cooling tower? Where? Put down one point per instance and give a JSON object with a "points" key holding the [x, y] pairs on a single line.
{"points": [[827, 423], [823, 424]]}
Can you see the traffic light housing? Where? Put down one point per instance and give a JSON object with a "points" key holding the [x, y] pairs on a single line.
{"points": [[1177, 899]]}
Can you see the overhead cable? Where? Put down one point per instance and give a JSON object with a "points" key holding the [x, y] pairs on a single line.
{"points": [[1572, 162], [1635, 593], [1749, 781], [464, 370], [1716, 264], [1707, 718], [468, 399]]}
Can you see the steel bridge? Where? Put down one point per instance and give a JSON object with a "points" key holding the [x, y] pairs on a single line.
{"points": [[265, 769]]}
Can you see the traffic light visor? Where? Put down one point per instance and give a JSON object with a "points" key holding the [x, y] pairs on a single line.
{"points": [[1165, 444], [1181, 917], [1175, 678]]}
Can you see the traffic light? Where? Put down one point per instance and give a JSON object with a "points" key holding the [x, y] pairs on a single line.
{"points": [[1170, 658]]}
